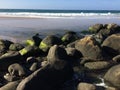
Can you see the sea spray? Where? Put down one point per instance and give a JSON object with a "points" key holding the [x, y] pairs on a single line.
{"points": [[102, 83]]}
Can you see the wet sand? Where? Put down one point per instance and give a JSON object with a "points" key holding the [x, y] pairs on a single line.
{"points": [[19, 28]]}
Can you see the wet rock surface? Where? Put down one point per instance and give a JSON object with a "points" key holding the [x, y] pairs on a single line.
{"points": [[67, 62]]}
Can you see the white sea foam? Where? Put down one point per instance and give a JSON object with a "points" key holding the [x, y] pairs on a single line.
{"points": [[58, 15], [102, 83]]}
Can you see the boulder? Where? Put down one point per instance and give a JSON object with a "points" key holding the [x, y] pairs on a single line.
{"points": [[95, 28], [73, 53], [30, 51], [9, 58], [31, 60], [116, 58], [4, 46], [111, 45], [17, 70], [16, 47], [44, 63], [34, 67], [86, 86], [109, 29], [104, 33], [112, 76], [6, 43], [111, 88], [49, 41], [99, 38], [99, 65], [114, 28], [57, 53], [10, 78], [69, 37], [35, 40], [72, 45], [52, 75], [89, 48], [2, 49], [10, 86]]}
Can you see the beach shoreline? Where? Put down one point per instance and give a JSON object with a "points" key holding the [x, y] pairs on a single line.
{"points": [[22, 28]]}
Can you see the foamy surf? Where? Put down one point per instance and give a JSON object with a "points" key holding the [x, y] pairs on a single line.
{"points": [[57, 15], [102, 83]]}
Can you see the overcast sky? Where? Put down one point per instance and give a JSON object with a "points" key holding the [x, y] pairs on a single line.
{"points": [[61, 4]]}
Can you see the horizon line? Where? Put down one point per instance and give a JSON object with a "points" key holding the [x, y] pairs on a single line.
{"points": [[61, 9]]}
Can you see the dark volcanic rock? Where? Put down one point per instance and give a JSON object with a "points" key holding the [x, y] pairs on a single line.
{"points": [[89, 48], [37, 39], [46, 78], [8, 59], [2, 49], [112, 77], [57, 53], [51, 75], [112, 45], [4, 46], [7, 43]]}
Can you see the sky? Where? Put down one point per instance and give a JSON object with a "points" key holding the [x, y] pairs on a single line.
{"points": [[61, 4]]}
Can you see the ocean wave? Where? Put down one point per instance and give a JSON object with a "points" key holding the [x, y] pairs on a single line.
{"points": [[56, 15]]}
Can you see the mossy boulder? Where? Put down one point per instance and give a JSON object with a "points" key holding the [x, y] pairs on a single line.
{"points": [[49, 41], [16, 47], [34, 41], [30, 51], [95, 28], [69, 37]]}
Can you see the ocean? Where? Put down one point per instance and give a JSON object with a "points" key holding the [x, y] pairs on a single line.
{"points": [[20, 24], [59, 13]]}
